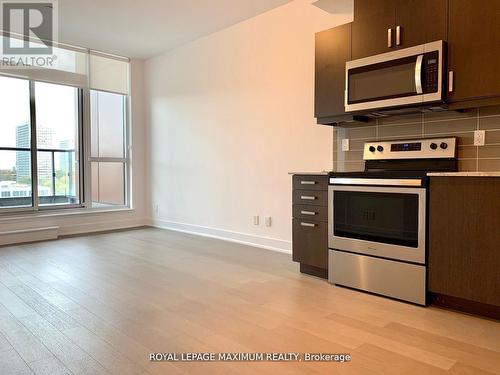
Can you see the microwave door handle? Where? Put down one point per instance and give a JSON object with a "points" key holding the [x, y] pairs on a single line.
{"points": [[418, 74]]}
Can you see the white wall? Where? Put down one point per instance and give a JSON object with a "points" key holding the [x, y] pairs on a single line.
{"points": [[230, 115], [72, 223]]}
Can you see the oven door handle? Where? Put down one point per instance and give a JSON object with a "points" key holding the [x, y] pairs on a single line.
{"points": [[418, 74], [376, 181]]}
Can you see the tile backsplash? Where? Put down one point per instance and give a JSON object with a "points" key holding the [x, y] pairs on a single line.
{"points": [[425, 125]]}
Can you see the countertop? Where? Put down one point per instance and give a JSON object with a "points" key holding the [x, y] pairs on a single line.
{"points": [[322, 173], [464, 174], [433, 174]]}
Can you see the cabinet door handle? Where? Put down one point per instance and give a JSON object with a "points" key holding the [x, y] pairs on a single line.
{"points": [[389, 38], [309, 225], [307, 197], [398, 35], [308, 182], [450, 81], [310, 213]]}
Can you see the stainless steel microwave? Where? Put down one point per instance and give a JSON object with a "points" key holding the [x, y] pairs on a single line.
{"points": [[410, 77]]}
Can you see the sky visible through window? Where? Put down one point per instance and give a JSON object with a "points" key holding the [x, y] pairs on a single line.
{"points": [[55, 111]]}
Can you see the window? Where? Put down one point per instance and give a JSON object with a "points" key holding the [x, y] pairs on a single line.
{"points": [[63, 133], [108, 151], [57, 129], [15, 142], [57, 119], [56, 123]]}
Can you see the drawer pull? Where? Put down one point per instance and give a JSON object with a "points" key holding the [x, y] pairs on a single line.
{"points": [[308, 182], [309, 225], [310, 213], [307, 198]]}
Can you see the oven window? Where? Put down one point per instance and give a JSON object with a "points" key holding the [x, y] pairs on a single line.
{"points": [[390, 218], [382, 81]]}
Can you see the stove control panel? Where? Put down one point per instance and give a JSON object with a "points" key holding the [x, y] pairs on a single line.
{"points": [[433, 148]]}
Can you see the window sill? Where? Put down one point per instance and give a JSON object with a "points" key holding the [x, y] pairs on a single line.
{"points": [[21, 216]]}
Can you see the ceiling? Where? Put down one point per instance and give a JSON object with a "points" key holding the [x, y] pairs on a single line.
{"points": [[145, 28]]}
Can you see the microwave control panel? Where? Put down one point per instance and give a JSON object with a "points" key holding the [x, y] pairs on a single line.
{"points": [[431, 72]]}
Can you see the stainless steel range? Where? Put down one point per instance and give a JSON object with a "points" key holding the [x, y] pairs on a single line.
{"points": [[377, 222]]}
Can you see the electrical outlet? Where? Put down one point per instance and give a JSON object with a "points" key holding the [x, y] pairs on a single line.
{"points": [[345, 144], [479, 137], [269, 221], [256, 220]]}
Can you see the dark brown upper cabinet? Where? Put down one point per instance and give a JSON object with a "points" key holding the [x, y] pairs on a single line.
{"points": [[333, 50], [370, 29], [385, 25], [421, 21], [474, 51], [470, 27]]}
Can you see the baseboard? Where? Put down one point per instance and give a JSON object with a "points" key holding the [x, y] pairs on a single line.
{"points": [[227, 235], [28, 235]]}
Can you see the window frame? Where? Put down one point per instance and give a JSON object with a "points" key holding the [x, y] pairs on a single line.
{"points": [[8, 209], [125, 160], [84, 155], [81, 167]]}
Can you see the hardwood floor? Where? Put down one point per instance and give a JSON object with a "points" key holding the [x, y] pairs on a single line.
{"points": [[100, 304]]}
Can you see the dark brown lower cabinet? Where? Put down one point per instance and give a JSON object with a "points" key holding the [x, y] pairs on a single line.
{"points": [[464, 244], [310, 224], [310, 243]]}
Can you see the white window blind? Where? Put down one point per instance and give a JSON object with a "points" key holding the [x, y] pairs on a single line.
{"points": [[109, 73], [70, 65]]}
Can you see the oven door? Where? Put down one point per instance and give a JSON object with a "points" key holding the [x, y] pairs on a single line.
{"points": [[407, 77], [387, 222]]}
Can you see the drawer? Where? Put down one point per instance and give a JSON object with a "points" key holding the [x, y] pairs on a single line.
{"points": [[310, 243], [308, 212], [380, 276], [311, 197], [309, 182]]}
